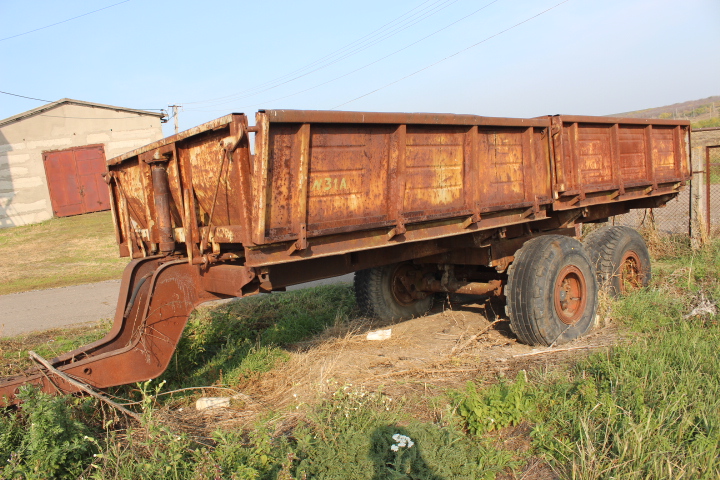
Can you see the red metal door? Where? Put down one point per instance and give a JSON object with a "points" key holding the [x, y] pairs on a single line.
{"points": [[75, 180], [90, 163]]}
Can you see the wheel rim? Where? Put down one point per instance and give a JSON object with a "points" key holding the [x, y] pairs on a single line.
{"points": [[570, 295], [399, 291], [631, 277]]}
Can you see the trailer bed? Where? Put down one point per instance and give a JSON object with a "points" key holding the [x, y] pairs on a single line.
{"points": [[321, 183]]}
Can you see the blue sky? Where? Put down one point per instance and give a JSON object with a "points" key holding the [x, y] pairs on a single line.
{"points": [[213, 57]]}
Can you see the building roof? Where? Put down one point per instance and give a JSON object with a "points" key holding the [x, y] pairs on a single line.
{"points": [[70, 101]]}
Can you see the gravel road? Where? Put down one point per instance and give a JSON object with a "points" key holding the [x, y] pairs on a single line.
{"points": [[59, 307]]}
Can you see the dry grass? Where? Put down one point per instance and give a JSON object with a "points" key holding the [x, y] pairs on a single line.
{"points": [[423, 358], [59, 252]]}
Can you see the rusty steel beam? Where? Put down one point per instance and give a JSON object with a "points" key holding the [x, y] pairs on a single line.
{"points": [[620, 120], [493, 287], [156, 299], [333, 116]]}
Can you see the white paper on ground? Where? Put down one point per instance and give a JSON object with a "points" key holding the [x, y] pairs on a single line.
{"points": [[380, 334], [212, 402]]}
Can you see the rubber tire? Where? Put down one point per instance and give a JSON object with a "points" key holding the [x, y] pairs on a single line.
{"points": [[530, 290], [375, 299], [607, 246]]}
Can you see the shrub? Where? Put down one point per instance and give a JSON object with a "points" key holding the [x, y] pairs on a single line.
{"points": [[44, 439], [495, 407]]}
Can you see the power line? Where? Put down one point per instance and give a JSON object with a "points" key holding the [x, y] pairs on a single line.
{"points": [[403, 25], [315, 62], [23, 96], [451, 56], [330, 63], [371, 63], [51, 101], [64, 21]]}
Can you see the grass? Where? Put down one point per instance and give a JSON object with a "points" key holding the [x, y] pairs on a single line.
{"points": [[345, 435], [236, 341], [646, 408], [59, 252], [649, 408], [48, 344]]}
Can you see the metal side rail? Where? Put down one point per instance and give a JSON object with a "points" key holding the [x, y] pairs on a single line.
{"points": [[156, 298]]}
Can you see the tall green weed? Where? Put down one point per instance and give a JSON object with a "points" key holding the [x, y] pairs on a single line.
{"points": [[45, 439], [495, 407]]}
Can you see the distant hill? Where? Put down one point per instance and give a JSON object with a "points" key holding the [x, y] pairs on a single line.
{"points": [[702, 113]]}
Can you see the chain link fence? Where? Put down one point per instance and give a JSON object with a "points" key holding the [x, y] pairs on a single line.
{"points": [[672, 219], [695, 212], [711, 193]]}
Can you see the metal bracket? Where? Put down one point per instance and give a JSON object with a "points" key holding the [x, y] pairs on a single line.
{"points": [[577, 198], [301, 243], [501, 264], [475, 218], [265, 282], [571, 219], [398, 230], [162, 154]]}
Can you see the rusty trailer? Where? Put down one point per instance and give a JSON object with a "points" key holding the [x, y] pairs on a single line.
{"points": [[415, 204]]}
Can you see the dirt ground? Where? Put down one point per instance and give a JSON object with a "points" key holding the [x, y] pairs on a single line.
{"points": [[423, 357], [454, 344]]}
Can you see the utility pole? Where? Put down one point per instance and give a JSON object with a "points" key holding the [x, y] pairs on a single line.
{"points": [[175, 109]]}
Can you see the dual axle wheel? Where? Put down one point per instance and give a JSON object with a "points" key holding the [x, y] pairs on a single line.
{"points": [[552, 285]]}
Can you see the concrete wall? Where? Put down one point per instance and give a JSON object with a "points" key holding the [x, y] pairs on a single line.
{"points": [[698, 210], [24, 194]]}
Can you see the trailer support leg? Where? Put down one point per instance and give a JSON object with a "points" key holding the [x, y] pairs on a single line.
{"points": [[141, 341]]}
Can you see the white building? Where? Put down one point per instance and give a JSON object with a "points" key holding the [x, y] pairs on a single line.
{"points": [[52, 157]]}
